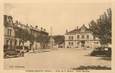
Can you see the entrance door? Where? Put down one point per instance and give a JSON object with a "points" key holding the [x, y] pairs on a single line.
{"points": [[82, 43]]}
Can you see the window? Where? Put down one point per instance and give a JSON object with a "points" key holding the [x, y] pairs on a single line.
{"points": [[7, 42], [77, 36], [9, 32], [82, 36], [15, 42], [94, 37], [70, 37], [70, 43], [87, 36], [96, 42]]}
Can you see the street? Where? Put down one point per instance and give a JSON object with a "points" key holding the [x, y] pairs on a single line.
{"points": [[61, 58]]}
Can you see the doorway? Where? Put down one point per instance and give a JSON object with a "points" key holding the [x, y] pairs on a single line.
{"points": [[82, 43]]}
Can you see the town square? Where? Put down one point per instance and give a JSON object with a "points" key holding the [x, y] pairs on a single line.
{"points": [[57, 36]]}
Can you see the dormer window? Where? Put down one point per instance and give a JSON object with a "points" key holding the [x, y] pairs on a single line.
{"points": [[83, 28]]}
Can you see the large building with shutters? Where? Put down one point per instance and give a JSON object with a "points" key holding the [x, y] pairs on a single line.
{"points": [[81, 38], [17, 35]]}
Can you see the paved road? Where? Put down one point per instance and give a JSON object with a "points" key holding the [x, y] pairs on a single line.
{"points": [[57, 59]]}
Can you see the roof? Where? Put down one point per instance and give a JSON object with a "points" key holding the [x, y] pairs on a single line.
{"points": [[82, 29]]}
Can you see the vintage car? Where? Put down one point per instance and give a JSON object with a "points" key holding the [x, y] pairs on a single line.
{"points": [[102, 51], [12, 53]]}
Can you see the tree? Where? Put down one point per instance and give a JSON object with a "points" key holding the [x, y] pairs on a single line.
{"points": [[102, 27], [59, 39]]}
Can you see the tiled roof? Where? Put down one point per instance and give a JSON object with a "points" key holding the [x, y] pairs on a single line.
{"points": [[78, 30]]}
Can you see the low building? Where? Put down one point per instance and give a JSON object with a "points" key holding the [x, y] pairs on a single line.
{"points": [[81, 38]]}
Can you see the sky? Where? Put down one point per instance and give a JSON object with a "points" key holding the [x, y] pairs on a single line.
{"points": [[59, 16]]}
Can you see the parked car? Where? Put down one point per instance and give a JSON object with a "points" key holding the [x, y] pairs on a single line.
{"points": [[101, 51], [12, 53]]}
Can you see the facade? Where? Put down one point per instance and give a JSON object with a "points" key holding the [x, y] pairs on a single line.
{"points": [[18, 35], [9, 40], [81, 38]]}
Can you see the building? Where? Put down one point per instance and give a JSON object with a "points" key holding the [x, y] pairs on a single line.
{"points": [[18, 35], [81, 38], [9, 33]]}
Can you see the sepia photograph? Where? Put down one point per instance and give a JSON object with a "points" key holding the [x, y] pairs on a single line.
{"points": [[57, 36]]}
